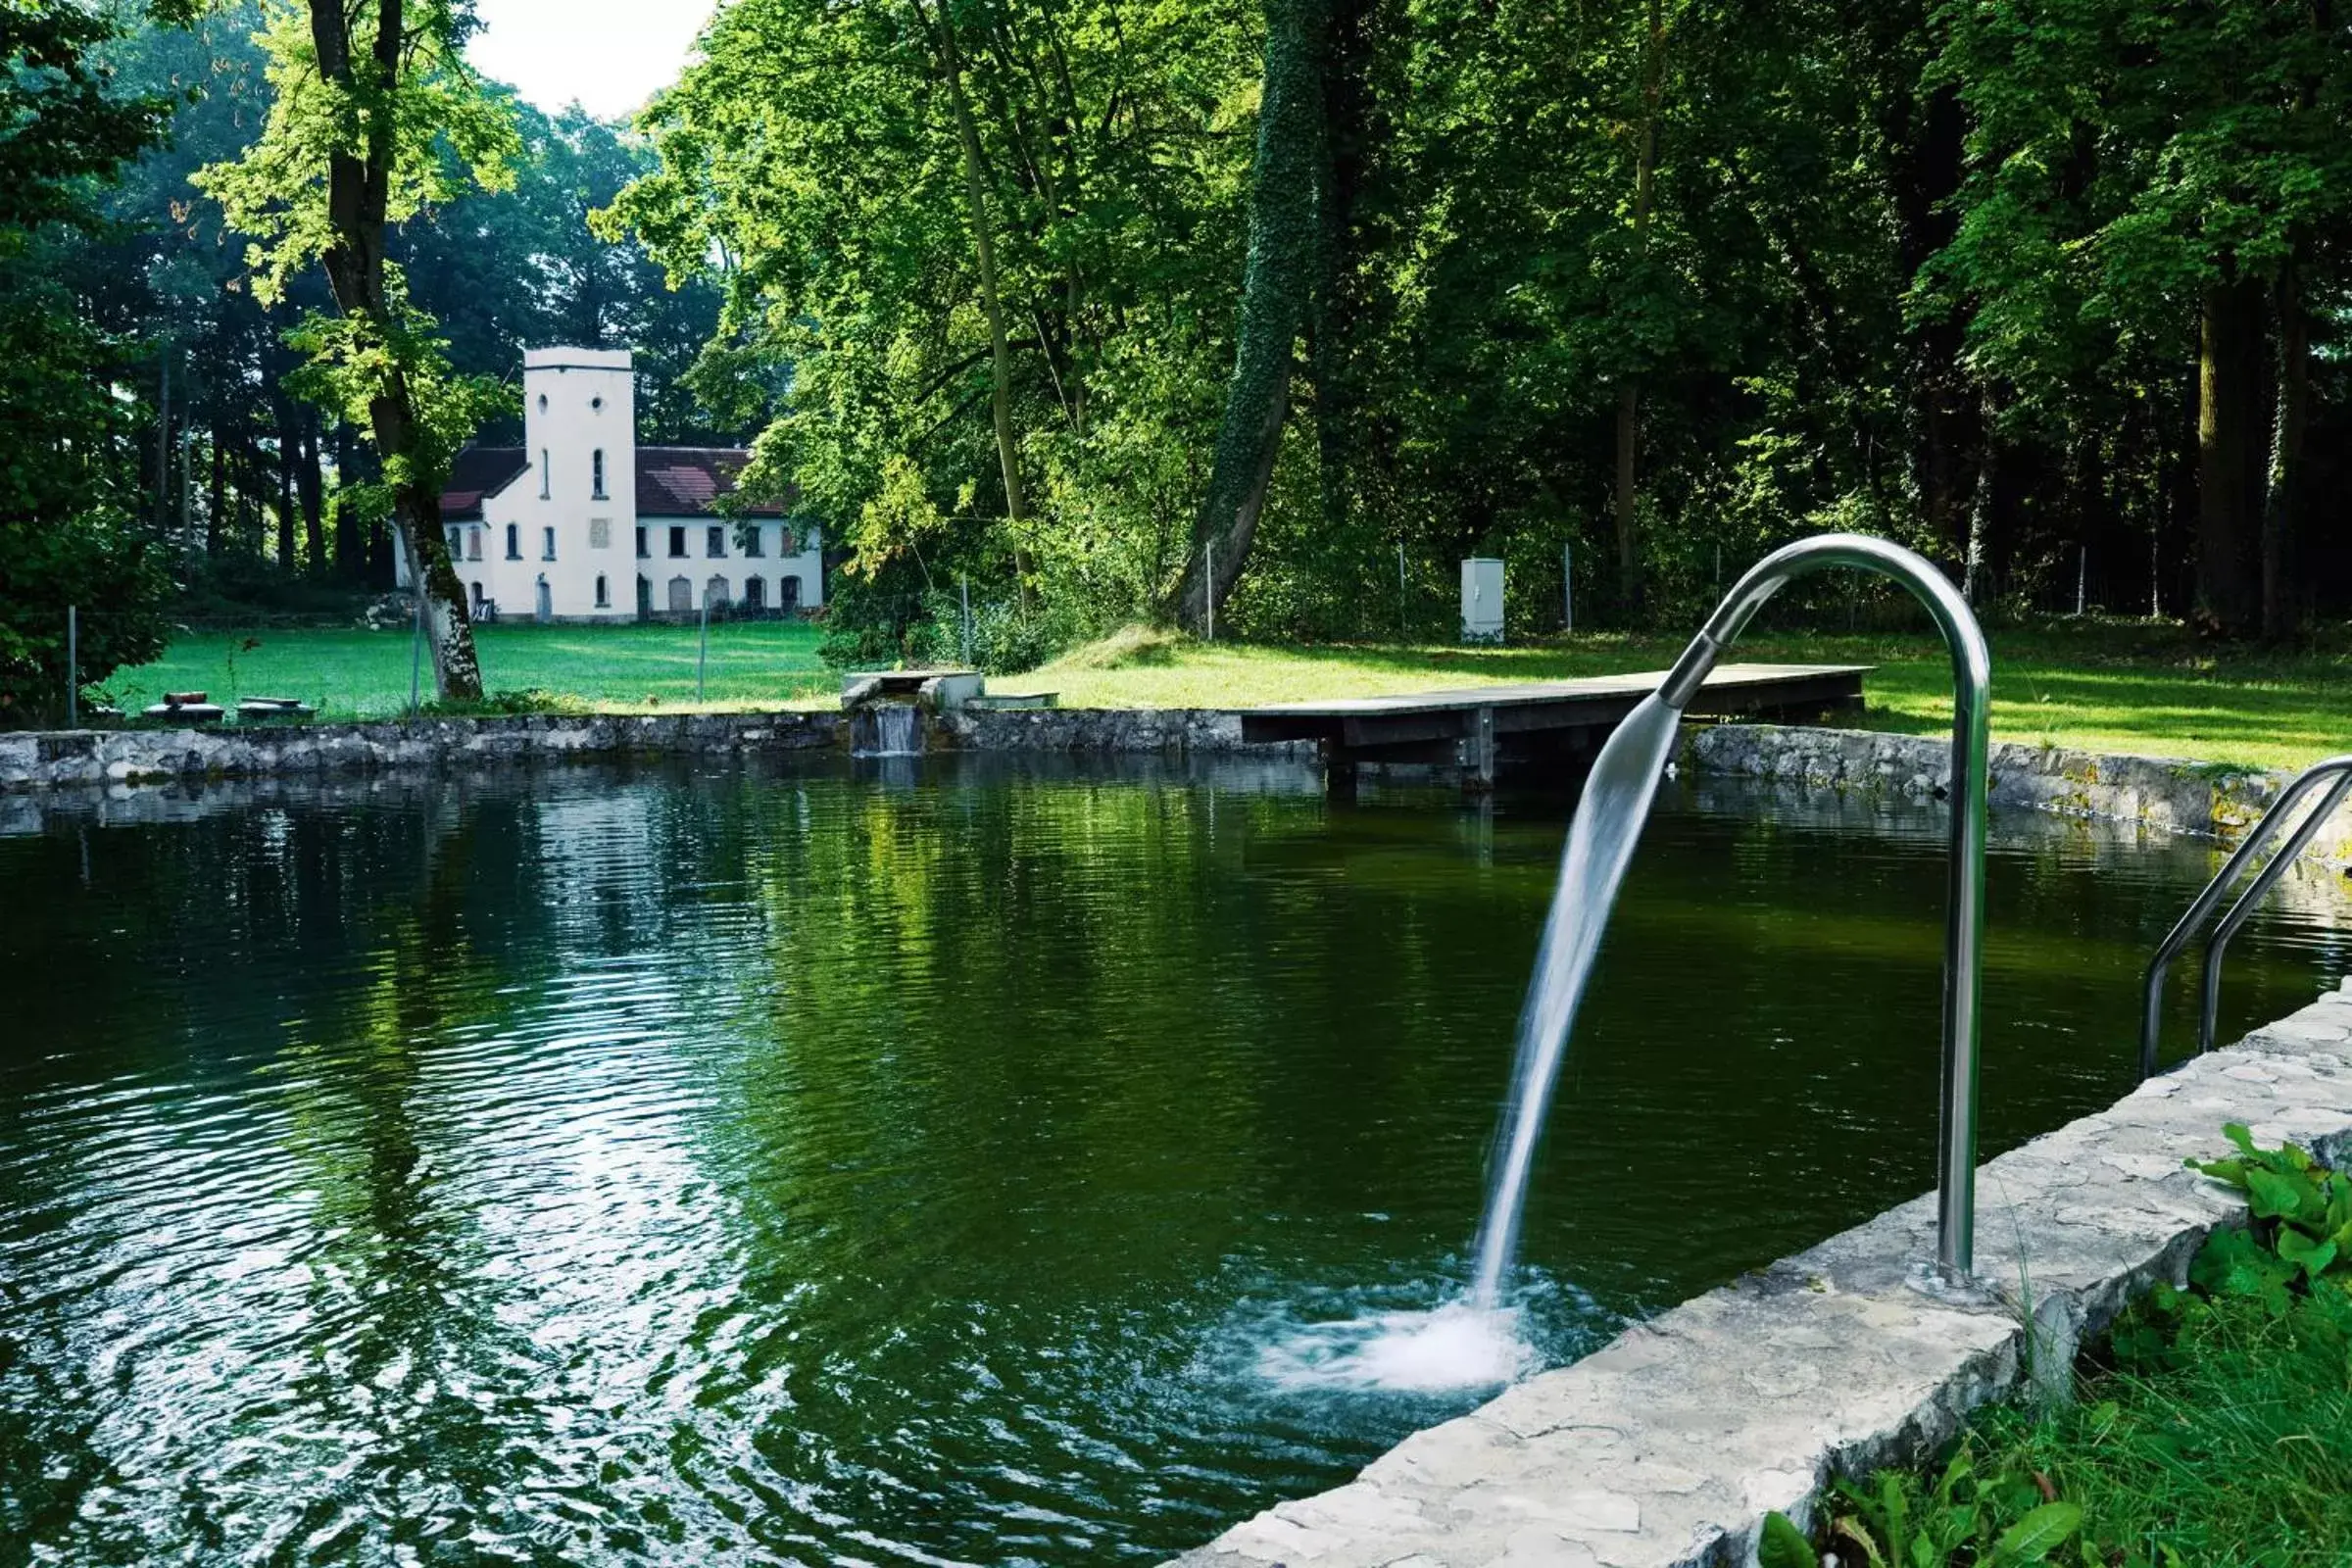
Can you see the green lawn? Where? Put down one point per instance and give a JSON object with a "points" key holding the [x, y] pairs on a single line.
{"points": [[2153, 690], [364, 675]]}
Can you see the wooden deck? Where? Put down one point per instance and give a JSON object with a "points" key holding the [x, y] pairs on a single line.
{"points": [[1470, 730]]}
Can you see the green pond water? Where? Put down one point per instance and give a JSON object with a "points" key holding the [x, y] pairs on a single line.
{"points": [[924, 1164]]}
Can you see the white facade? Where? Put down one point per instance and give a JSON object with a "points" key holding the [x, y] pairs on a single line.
{"points": [[556, 532]]}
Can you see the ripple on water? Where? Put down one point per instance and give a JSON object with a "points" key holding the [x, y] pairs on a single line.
{"points": [[603, 1168]]}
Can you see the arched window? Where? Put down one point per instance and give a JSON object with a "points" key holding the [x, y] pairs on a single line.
{"points": [[754, 593], [681, 596], [547, 476], [716, 592], [596, 474], [513, 541], [788, 592], [604, 593]]}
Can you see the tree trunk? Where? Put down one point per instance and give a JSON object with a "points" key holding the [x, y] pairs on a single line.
{"points": [[2281, 599], [216, 532], [289, 442], [163, 450], [1976, 574], [1629, 394], [975, 186], [2228, 392], [351, 539], [1350, 135], [1276, 287], [359, 191], [1927, 176], [309, 486]]}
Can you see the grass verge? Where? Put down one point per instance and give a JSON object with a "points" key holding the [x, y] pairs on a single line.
{"points": [[2100, 686]]}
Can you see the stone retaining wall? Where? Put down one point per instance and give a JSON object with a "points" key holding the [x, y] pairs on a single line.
{"points": [[83, 758], [2166, 794], [1666, 1449], [1103, 729]]}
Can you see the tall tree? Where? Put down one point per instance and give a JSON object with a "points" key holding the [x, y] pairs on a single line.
{"points": [[2147, 183], [68, 457], [373, 104], [1288, 181]]}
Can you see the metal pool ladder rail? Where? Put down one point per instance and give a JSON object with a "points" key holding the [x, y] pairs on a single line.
{"points": [[2151, 1020], [1964, 907]]}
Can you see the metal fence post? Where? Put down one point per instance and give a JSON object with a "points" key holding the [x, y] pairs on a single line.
{"points": [[966, 588], [702, 652], [1568, 588], [73, 666]]}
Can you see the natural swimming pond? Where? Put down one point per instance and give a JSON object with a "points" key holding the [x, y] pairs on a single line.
{"points": [[924, 1162]]}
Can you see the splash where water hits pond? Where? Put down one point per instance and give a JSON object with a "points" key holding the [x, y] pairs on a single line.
{"points": [[921, 1163]]}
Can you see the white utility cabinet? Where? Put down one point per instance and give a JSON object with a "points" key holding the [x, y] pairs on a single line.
{"points": [[1482, 600]]}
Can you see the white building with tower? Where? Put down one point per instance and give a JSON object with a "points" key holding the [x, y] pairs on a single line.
{"points": [[582, 524]]}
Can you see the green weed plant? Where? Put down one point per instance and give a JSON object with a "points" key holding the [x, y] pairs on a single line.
{"points": [[2213, 1428]]}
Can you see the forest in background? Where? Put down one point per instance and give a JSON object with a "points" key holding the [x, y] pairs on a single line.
{"points": [[1081, 291], [1074, 298]]}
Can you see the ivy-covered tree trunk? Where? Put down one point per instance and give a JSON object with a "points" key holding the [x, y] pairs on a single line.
{"points": [[2229, 413], [1277, 286], [358, 194]]}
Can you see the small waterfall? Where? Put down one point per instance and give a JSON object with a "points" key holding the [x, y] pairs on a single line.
{"points": [[1601, 844], [889, 729]]}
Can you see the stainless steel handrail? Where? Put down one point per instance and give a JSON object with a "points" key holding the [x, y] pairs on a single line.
{"points": [[2201, 907], [1964, 911]]}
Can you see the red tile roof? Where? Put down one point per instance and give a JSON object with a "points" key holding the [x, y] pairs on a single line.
{"points": [[478, 474], [685, 482], [672, 482]]}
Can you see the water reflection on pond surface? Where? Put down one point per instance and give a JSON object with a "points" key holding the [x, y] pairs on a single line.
{"points": [[933, 1163]]}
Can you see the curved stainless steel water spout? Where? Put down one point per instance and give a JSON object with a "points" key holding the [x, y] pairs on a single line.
{"points": [[1964, 913], [2200, 909]]}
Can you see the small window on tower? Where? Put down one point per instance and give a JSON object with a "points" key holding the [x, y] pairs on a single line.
{"points": [[542, 403], [513, 541], [547, 544], [603, 595], [596, 405], [547, 476], [596, 474]]}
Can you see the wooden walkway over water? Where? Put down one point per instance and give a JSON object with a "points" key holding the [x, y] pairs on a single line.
{"points": [[1471, 731]]}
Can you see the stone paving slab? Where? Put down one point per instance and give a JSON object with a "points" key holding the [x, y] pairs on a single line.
{"points": [[1666, 1449]]}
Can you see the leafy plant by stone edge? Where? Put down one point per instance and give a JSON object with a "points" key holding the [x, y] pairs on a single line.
{"points": [[2302, 1234], [2302, 1229]]}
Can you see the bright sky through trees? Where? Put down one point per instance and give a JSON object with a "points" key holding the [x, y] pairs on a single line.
{"points": [[609, 55]]}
